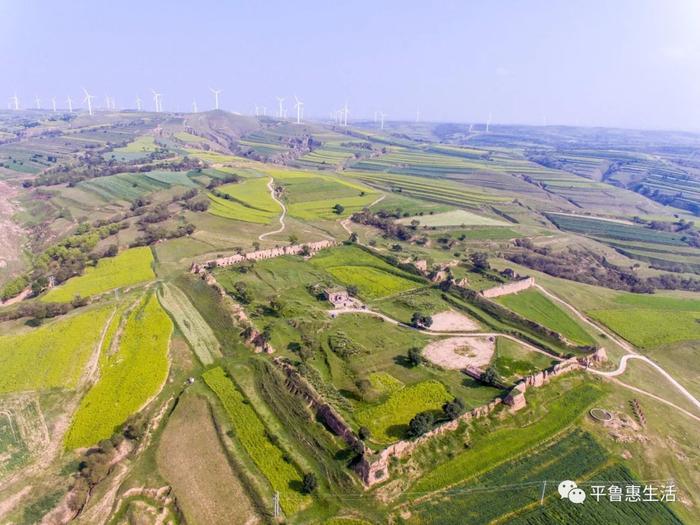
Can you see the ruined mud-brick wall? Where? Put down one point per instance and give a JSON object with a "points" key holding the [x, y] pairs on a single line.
{"points": [[509, 288], [375, 469], [325, 412], [251, 335], [259, 255]]}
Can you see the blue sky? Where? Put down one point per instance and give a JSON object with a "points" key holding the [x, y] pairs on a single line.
{"points": [[629, 63]]}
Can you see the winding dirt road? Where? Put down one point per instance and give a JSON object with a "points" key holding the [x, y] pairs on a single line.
{"points": [[345, 222], [612, 375], [270, 186], [631, 354], [427, 331]]}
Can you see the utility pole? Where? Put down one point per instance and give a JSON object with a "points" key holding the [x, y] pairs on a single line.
{"points": [[544, 486], [276, 505]]}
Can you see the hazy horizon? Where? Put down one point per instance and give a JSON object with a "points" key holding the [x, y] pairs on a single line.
{"points": [[627, 64]]}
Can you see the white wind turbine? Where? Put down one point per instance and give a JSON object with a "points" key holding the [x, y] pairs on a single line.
{"points": [[194, 106], [256, 110], [382, 115], [488, 123], [345, 114], [88, 99], [417, 114], [138, 103], [70, 104], [53, 104], [280, 101], [300, 109], [157, 101], [15, 101], [264, 111], [37, 100], [216, 92]]}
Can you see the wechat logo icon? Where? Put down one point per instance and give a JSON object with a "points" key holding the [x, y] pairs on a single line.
{"points": [[569, 490]]}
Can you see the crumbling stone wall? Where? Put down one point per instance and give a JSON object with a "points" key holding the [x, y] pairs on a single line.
{"points": [[509, 288]]}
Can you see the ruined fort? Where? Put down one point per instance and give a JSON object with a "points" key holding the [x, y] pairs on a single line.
{"points": [[374, 468]]}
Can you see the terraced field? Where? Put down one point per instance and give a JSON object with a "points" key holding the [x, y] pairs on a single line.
{"points": [[129, 268], [440, 191], [310, 196], [251, 202], [132, 370], [129, 186], [614, 230]]}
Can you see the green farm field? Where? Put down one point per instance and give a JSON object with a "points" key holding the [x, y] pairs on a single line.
{"points": [[647, 328], [191, 323], [389, 420], [454, 218], [129, 268], [132, 370], [251, 202], [515, 485], [512, 361], [53, 355], [373, 277], [250, 431], [535, 306]]}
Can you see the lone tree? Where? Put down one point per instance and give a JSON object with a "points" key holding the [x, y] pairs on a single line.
{"points": [[241, 292], [293, 239], [420, 320], [491, 377], [415, 356], [453, 409], [338, 209], [420, 424], [353, 237], [309, 484], [364, 433], [480, 261]]}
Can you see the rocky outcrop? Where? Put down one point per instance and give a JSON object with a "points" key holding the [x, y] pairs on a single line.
{"points": [[509, 288]]}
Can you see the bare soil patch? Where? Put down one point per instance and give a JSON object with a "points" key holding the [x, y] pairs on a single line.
{"points": [[191, 457], [457, 353], [451, 321]]}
